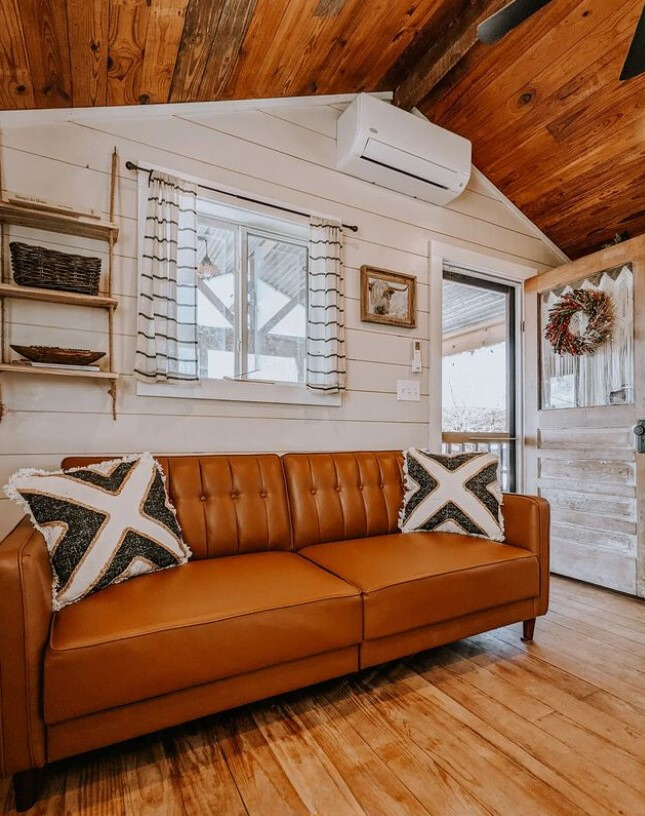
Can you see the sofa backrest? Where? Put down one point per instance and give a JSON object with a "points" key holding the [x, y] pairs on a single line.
{"points": [[338, 496], [226, 504]]}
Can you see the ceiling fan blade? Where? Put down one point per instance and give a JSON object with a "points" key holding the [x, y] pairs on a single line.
{"points": [[507, 18], [635, 62]]}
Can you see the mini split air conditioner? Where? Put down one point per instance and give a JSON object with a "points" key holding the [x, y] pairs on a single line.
{"points": [[381, 143]]}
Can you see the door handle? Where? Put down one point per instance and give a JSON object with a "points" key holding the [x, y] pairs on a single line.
{"points": [[639, 430]]}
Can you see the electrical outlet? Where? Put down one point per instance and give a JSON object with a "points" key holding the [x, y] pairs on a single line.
{"points": [[408, 390]]}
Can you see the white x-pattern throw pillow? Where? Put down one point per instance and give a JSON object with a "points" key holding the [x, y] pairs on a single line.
{"points": [[102, 523], [456, 493]]}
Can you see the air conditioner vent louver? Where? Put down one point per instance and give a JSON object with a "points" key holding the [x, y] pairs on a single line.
{"points": [[403, 172]]}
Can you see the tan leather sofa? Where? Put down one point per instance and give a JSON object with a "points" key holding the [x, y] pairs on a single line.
{"points": [[299, 574]]}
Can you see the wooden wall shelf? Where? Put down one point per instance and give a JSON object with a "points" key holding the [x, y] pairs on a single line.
{"points": [[19, 216], [55, 371], [43, 219], [11, 290]]}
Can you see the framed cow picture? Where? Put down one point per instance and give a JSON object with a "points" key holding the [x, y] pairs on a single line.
{"points": [[388, 297]]}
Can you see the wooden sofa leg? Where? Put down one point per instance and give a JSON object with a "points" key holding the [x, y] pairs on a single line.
{"points": [[25, 788], [528, 629]]}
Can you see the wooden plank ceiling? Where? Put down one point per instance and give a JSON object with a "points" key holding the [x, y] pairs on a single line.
{"points": [[550, 123]]}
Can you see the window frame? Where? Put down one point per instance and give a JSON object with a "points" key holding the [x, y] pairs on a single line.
{"points": [[247, 221]]}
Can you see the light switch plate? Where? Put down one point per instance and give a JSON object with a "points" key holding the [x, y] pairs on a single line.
{"points": [[408, 390]]}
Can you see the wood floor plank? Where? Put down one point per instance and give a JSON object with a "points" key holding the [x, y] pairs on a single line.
{"points": [[596, 639], [476, 666], [507, 645], [200, 772], [309, 770], [625, 605], [573, 659], [439, 792], [263, 785], [619, 726], [625, 619], [580, 776], [148, 784], [371, 780], [628, 769], [487, 726], [623, 635], [452, 736], [94, 787], [619, 709]]}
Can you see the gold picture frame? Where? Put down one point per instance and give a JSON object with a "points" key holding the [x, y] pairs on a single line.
{"points": [[388, 298]]}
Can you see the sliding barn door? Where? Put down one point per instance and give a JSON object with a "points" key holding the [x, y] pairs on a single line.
{"points": [[581, 452]]}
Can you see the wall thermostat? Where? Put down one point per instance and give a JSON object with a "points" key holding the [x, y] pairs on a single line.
{"points": [[415, 365]]}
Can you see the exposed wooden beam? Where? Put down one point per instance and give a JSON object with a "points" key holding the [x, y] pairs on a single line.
{"points": [[458, 39]]}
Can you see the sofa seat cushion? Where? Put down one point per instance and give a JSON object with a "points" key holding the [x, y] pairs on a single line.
{"points": [[416, 579], [179, 628]]}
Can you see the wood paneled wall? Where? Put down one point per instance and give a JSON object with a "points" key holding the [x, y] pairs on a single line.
{"points": [[282, 154]]}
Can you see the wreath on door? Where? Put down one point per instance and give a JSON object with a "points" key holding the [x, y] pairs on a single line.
{"points": [[596, 306]]}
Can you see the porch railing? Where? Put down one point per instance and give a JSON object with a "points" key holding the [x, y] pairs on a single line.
{"points": [[499, 444]]}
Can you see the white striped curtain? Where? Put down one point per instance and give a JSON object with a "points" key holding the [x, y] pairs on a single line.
{"points": [[167, 307], [326, 313]]}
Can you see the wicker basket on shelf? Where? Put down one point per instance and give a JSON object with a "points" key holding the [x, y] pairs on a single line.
{"points": [[50, 269]]}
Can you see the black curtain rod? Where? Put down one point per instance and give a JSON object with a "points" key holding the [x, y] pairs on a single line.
{"points": [[132, 166]]}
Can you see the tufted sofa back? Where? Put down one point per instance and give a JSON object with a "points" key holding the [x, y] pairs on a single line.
{"points": [[226, 504], [230, 504], [338, 496]]}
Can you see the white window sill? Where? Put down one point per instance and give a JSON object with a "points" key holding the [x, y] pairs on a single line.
{"points": [[240, 391]]}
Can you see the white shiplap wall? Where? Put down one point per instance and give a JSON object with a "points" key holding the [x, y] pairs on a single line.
{"points": [[281, 154]]}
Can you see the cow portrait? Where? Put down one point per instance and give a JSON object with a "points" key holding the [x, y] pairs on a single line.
{"points": [[387, 297]]}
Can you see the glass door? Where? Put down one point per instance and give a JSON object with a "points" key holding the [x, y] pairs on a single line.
{"points": [[479, 402]]}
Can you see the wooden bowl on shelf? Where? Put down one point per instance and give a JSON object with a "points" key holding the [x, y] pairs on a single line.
{"points": [[53, 355]]}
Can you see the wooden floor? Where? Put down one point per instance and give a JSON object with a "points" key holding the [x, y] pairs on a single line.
{"points": [[488, 725]]}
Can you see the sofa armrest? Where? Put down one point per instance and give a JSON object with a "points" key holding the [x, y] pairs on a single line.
{"points": [[25, 618], [527, 524]]}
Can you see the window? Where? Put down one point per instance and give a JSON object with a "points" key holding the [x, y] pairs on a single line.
{"points": [[252, 296], [251, 309]]}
